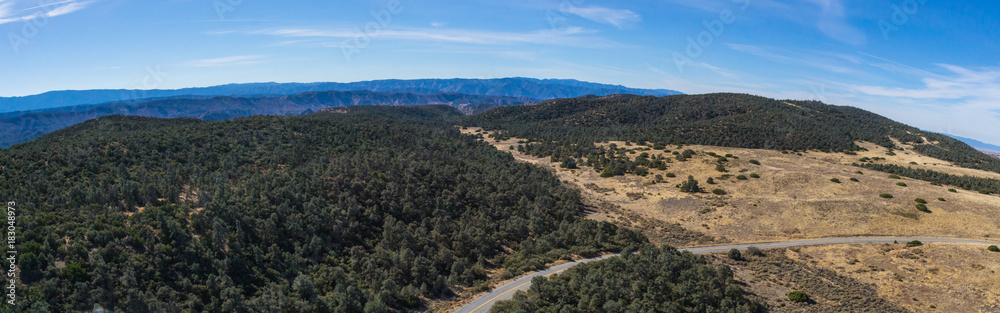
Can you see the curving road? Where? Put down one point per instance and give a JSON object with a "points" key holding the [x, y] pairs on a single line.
{"points": [[484, 302]]}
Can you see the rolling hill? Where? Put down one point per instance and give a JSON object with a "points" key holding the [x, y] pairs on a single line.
{"points": [[570, 127]]}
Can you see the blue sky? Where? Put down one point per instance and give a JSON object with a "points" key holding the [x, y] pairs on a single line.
{"points": [[929, 63]]}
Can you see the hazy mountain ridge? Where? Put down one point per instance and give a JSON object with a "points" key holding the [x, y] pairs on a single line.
{"points": [[990, 149], [25, 127], [511, 87]]}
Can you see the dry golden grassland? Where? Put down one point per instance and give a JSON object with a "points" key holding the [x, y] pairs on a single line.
{"points": [[928, 278], [794, 198]]}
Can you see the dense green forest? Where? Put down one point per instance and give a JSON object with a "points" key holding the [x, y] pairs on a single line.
{"points": [[366, 210], [652, 280], [967, 182], [569, 127]]}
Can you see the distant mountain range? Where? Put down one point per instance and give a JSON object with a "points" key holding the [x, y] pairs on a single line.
{"points": [[541, 89], [20, 128], [979, 145]]}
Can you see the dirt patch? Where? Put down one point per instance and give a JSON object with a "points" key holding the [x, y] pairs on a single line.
{"points": [[772, 276], [928, 278]]}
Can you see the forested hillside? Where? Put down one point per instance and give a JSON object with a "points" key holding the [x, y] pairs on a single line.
{"points": [[365, 210], [569, 127]]}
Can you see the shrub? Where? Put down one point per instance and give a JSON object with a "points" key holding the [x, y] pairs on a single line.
{"points": [[952, 190], [854, 179], [993, 248], [754, 162], [721, 168], [735, 254], [719, 192], [710, 181], [885, 196], [894, 176], [985, 192], [901, 184], [923, 208], [569, 163], [798, 296], [921, 201], [860, 173], [741, 177], [942, 199], [754, 251], [915, 243], [671, 175], [835, 180], [754, 175], [659, 178]]}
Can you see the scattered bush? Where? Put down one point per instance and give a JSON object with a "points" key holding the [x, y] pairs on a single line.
{"points": [[915, 243], [719, 192], [641, 171], [901, 184], [854, 179], [798, 296], [754, 175], [754, 162], [741, 177], [952, 190], [860, 173], [735, 255], [993, 248], [894, 176], [941, 199], [710, 181], [923, 208], [835, 180], [985, 192], [659, 178], [690, 186], [921, 201], [885, 196], [671, 175]]}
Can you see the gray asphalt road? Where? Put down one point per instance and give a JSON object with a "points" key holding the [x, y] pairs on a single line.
{"points": [[484, 302]]}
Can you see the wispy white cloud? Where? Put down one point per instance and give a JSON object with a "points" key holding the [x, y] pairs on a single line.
{"points": [[68, 8], [225, 61], [829, 17], [567, 36], [9, 15], [786, 56], [610, 16]]}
